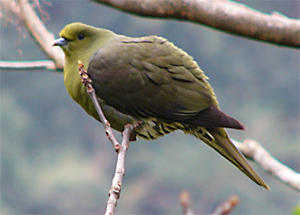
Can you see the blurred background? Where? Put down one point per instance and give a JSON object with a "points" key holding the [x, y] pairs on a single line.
{"points": [[55, 159]]}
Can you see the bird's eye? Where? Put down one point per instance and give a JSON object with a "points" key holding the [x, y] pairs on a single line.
{"points": [[80, 37]]}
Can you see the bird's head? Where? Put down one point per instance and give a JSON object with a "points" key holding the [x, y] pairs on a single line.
{"points": [[77, 38]]}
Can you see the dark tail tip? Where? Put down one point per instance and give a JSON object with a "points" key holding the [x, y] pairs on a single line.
{"points": [[241, 126]]}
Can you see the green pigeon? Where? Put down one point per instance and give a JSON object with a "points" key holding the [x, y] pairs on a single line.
{"points": [[150, 81]]}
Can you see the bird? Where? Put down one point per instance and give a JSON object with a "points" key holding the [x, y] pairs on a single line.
{"points": [[150, 81]]}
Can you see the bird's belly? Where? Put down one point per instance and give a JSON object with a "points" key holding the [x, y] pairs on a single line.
{"points": [[147, 128]]}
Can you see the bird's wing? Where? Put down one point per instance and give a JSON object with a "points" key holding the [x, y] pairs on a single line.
{"points": [[150, 77]]}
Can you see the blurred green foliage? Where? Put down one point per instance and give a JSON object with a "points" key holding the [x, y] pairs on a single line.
{"points": [[55, 159], [296, 210]]}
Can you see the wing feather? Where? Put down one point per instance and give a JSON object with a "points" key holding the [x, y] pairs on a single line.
{"points": [[150, 77]]}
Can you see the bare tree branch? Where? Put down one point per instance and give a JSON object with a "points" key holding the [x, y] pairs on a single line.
{"points": [[25, 65], [40, 34], [254, 151], [115, 189], [121, 149], [224, 208], [227, 206], [224, 15]]}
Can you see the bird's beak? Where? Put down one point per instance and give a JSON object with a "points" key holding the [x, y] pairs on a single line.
{"points": [[60, 42]]}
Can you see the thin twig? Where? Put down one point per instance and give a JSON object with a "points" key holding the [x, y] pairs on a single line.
{"points": [[227, 206], [91, 92], [26, 65], [185, 201], [115, 190], [254, 151]]}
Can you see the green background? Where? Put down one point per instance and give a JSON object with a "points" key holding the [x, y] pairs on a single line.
{"points": [[55, 159]]}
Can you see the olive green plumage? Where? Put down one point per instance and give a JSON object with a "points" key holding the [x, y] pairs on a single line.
{"points": [[150, 80]]}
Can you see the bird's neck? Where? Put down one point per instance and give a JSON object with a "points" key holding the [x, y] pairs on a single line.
{"points": [[72, 78]]}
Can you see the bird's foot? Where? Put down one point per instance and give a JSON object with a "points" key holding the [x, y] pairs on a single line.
{"points": [[132, 136]]}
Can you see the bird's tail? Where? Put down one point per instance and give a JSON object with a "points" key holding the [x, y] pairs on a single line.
{"points": [[218, 139]]}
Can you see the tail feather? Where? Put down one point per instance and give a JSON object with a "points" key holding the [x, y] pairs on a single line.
{"points": [[218, 140]]}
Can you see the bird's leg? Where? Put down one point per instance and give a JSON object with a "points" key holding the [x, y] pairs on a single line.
{"points": [[132, 136]]}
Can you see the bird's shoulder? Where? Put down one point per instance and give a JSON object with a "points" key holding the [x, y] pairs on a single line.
{"points": [[150, 76], [151, 54]]}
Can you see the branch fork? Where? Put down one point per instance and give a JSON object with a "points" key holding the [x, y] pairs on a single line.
{"points": [[121, 149]]}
